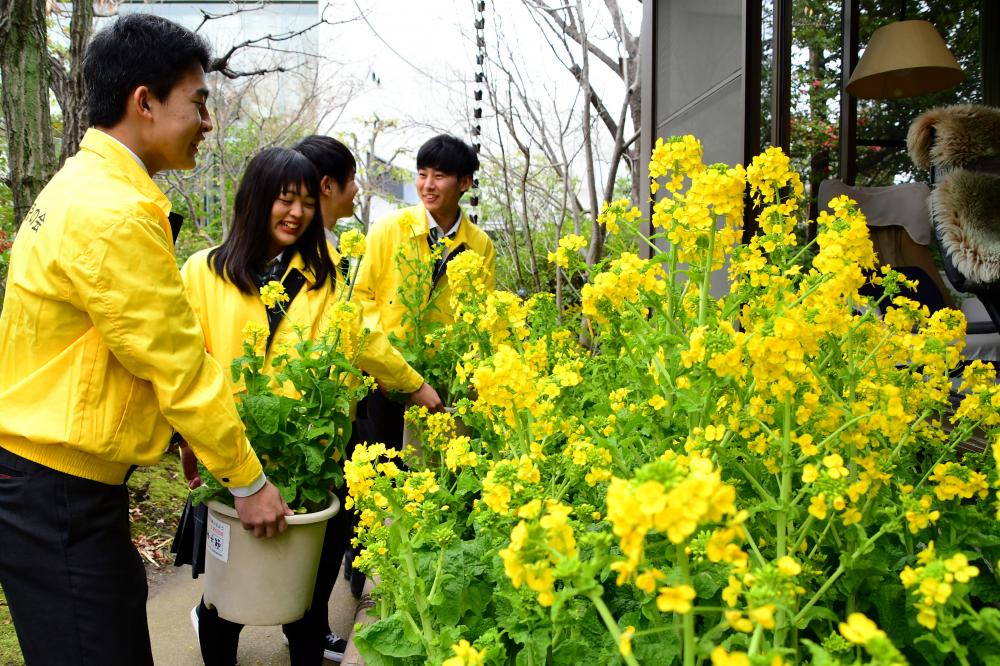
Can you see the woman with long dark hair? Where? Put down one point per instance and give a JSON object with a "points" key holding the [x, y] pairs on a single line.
{"points": [[277, 235]]}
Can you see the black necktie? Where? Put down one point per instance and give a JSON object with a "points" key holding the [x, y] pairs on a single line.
{"points": [[433, 240]]}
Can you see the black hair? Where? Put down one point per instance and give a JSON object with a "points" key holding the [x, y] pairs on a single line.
{"points": [[331, 157], [448, 154], [270, 173], [137, 50]]}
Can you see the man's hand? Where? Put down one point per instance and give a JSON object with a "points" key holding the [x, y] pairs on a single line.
{"points": [[190, 466], [263, 512], [426, 396]]}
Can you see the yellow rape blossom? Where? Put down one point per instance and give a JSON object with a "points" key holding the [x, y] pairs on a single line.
{"points": [[859, 629], [353, 244], [273, 294], [675, 599], [465, 655]]}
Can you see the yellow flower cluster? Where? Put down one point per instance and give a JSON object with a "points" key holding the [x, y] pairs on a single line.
{"points": [[341, 328], [465, 655], [353, 244], [416, 487], [436, 429], [689, 492], [465, 275], [582, 452], [933, 583], [459, 453], [507, 478], [672, 159], [627, 280], [844, 243], [536, 547], [569, 247], [769, 174], [273, 295], [255, 334], [859, 629], [919, 513], [614, 212], [365, 464], [507, 384], [955, 480]]}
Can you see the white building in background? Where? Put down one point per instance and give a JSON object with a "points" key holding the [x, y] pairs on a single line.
{"points": [[279, 93]]}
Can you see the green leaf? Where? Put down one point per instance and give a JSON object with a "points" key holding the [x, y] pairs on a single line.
{"points": [[314, 457], [263, 410], [468, 483], [535, 649], [662, 648], [389, 637], [708, 583], [817, 613], [820, 657]]}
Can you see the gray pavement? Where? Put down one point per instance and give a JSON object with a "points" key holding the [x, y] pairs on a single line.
{"points": [[172, 595]]}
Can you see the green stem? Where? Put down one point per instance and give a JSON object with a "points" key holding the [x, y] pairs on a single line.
{"points": [[754, 482], [426, 633], [437, 575], [609, 622], [687, 620], [671, 277], [784, 501], [753, 546], [758, 633], [706, 277], [841, 568]]}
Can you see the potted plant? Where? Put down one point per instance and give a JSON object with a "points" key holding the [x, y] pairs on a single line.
{"points": [[297, 417]]}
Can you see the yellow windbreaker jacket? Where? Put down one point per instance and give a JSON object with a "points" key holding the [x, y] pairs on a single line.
{"points": [[379, 277], [224, 310], [101, 356]]}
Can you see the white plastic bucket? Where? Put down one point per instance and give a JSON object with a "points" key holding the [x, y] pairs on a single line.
{"points": [[263, 582]]}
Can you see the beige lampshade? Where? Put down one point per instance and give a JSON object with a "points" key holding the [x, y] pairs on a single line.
{"points": [[904, 59]]}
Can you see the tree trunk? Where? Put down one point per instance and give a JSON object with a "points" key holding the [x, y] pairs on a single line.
{"points": [[24, 68], [74, 105], [596, 250], [528, 235]]}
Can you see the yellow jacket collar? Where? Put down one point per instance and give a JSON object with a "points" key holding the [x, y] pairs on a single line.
{"points": [[121, 161], [298, 263]]}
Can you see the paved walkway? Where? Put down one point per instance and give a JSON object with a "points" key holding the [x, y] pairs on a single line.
{"points": [[174, 593]]}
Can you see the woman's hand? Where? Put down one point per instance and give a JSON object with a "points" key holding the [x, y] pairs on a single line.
{"points": [[426, 396], [190, 466]]}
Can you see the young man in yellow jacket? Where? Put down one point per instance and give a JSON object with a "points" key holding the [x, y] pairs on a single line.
{"points": [[101, 359], [445, 166]]}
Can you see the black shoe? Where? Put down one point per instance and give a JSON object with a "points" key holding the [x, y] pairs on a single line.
{"points": [[334, 648]]}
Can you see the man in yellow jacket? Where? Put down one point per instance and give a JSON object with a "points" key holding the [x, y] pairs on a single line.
{"points": [[101, 359], [445, 166]]}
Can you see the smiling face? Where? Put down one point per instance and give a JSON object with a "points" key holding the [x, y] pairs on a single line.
{"points": [[291, 214], [180, 122], [337, 201], [440, 193]]}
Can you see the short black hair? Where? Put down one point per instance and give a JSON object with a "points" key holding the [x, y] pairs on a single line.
{"points": [[270, 173], [331, 157], [448, 154], [137, 50]]}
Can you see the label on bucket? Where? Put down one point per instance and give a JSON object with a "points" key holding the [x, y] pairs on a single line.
{"points": [[218, 538]]}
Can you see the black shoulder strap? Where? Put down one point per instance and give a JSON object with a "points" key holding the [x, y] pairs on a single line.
{"points": [[442, 270], [293, 283]]}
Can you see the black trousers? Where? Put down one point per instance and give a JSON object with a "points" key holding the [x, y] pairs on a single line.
{"points": [[74, 582], [219, 638], [386, 420]]}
